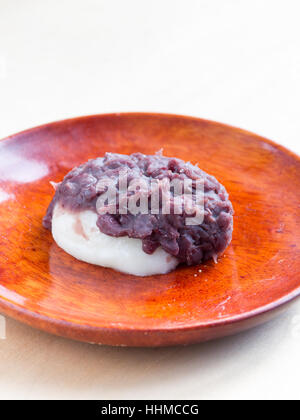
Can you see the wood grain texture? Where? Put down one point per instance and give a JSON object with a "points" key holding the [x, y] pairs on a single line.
{"points": [[256, 278]]}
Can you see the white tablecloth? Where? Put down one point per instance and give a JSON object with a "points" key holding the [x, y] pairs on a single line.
{"points": [[233, 61]]}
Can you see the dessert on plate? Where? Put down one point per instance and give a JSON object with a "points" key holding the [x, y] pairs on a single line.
{"points": [[140, 214]]}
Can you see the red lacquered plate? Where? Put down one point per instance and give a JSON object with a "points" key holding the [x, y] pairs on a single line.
{"points": [[46, 288]]}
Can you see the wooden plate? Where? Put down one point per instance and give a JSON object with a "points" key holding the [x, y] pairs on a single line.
{"points": [[46, 288]]}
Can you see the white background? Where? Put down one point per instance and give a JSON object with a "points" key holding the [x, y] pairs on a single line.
{"points": [[235, 61]]}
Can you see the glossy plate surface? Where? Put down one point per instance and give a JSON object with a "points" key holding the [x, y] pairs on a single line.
{"points": [[46, 288]]}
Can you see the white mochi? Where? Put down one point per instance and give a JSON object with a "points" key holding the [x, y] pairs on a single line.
{"points": [[78, 235]]}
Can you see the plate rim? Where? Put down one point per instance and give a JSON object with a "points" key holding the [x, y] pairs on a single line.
{"points": [[273, 143], [262, 310]]}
